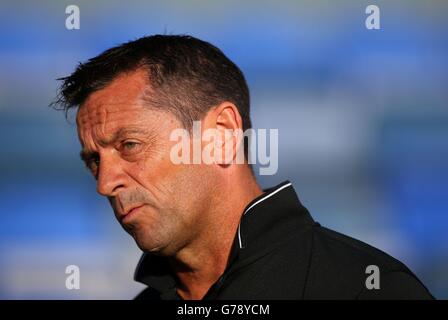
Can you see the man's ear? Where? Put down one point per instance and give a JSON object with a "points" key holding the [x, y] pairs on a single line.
{"points": [[229, 129], [228, 117]]}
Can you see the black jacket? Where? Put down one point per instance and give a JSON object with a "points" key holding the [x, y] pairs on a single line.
{"points": [[279, 252]]}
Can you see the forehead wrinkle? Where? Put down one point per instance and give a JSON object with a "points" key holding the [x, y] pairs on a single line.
{"points": [[100, 119], [103, 115], [101, 111], [96, 119]]}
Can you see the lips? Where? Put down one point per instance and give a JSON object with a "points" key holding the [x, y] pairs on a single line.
{"points": [[129, 211]]}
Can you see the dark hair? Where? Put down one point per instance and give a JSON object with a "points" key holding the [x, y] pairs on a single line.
{"points": [[187, 76]]}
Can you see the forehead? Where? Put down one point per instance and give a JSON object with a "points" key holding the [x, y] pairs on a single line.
{"points": [[117, 103]]}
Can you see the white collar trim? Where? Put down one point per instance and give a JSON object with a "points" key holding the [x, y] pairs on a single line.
{"points": [[257, 202]]}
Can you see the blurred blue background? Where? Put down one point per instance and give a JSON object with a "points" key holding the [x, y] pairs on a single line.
{"points": [[362, 118]]}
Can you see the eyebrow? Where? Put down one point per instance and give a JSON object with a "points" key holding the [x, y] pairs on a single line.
{"points": [[86, 155]]}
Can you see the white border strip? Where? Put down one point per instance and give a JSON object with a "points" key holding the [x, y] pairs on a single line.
{"points": [[254, 204]]}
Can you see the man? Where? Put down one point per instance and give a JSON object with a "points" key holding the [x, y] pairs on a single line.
{"points": [[207, 229]]}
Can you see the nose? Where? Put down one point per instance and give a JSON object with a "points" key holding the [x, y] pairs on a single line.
{"points": [[111, 177]]}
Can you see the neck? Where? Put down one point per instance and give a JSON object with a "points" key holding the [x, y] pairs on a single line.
{"points": [[200, 264]]}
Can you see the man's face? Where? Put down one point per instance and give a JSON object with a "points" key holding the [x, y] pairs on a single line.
{"points": [[126, 146]]}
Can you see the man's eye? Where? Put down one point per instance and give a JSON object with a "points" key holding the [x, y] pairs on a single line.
{"points": [[129, 145]]}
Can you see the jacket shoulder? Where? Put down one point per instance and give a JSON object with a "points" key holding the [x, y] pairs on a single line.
{"points": [[340, 266], [148, 294]]}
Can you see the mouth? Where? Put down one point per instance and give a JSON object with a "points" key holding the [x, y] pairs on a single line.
{"points": [[129, 213]]}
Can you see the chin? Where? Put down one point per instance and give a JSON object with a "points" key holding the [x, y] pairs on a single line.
{"points": [[148, 245], [151, 241]]}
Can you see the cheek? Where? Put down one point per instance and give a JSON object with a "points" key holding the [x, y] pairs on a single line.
{"points": [[167, 182], [157, 166], [162, 177]]}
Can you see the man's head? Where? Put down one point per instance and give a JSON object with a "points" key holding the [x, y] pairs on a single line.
{"points": [[130, 98]]}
